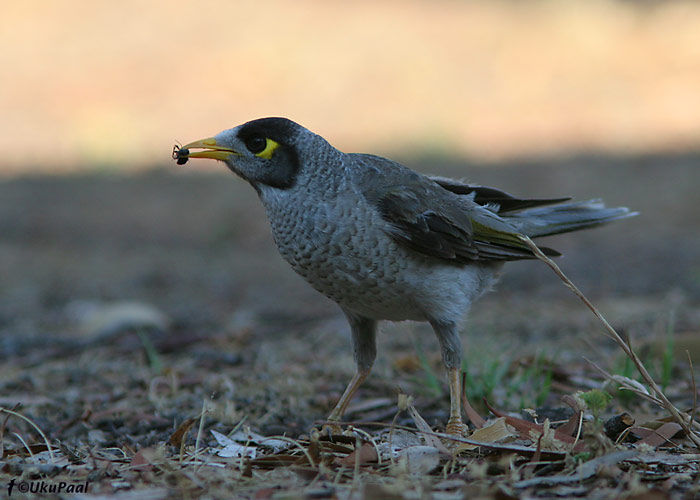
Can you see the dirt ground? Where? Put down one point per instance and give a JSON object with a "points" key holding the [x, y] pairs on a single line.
{"points": [[127, 302]]}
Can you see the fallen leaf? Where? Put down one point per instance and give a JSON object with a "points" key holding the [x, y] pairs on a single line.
{"points": [[365, 454], [657, 437], [25, 451], [419, 460], [230, 448], [178, 436], [249, 436], [495, 431], [142, 460], [584, 471], [472, 414], [428, 434], [525, 428], [573, 424], [397, 440]]}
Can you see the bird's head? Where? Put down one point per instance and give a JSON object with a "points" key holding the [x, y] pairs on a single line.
{"points": [[263, 152]]}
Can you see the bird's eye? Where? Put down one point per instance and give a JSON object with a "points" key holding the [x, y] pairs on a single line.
{"points": [[256, 144]]}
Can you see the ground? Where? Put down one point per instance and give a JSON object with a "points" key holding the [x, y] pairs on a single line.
{"points": [[130, 304]]}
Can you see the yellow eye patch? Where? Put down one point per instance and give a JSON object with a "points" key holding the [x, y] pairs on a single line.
{"points": [[270, 147]]}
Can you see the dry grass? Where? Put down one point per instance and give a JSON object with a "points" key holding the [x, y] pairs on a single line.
{"points": [[655, 394]]}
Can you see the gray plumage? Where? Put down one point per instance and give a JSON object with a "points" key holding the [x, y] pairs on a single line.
{"points": [[385, 242]]}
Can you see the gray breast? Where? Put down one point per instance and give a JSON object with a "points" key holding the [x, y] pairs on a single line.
{"points": [[341, 248], [336, 245]]}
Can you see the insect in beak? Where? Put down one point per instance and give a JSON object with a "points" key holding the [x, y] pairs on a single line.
{"points": [[180, 154]]}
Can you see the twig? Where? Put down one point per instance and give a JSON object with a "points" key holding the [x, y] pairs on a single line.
{"points": [[452, 437], [578, 429], [298, 445], [200, 429], [624, 345], [627, 384], [41, 433], [584, 471], [695, 389], [2, 431]]}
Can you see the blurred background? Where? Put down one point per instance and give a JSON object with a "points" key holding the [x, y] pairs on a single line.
{"points": [[100, 232], [89, 85]]}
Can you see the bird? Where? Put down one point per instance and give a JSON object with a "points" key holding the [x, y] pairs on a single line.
{"points": [[386, 242]]}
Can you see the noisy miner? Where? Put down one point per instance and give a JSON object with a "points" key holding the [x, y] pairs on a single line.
{"points": [[385, 242]]}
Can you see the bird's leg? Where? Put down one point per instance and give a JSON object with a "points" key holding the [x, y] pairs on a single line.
{"points": [[455, 424], [365, 350], [451, 349], [344, 400]]}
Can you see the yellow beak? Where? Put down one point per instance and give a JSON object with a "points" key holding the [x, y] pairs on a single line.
{"points": [[210, 150]]}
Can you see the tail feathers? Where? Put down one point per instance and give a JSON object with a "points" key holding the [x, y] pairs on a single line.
{"points": [[546, 221]]}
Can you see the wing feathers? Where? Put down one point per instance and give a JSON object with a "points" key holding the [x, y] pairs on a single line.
{"points": [[443, 218], [487, 195]]}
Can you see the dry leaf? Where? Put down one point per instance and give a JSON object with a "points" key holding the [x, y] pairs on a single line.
{"points": [[495, 431], [472, 414], [657, 437], [420, 459], [584, 471], [364, 454], [427, 432], [248, 436], [178, 436], [230, 448], [573, 424], [143, 459], [525, 428]]}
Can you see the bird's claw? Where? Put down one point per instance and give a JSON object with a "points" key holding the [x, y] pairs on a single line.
{"points": [[457, 428], [331, 429]]}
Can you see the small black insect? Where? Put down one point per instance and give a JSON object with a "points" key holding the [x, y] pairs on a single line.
{"points": [[180, 154]]}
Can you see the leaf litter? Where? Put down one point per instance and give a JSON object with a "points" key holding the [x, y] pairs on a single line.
{"points": [[120, 409], [126, 440], [508, 455], [131, 439]]}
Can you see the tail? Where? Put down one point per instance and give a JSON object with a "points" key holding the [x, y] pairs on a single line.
{"points": [[546, 221]]}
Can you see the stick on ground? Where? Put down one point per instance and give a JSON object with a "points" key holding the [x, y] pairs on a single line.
{"points": [[683, 419]]}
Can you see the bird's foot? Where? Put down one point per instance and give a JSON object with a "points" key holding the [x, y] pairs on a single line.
{"points": [[331, 428], [457, 428]]}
